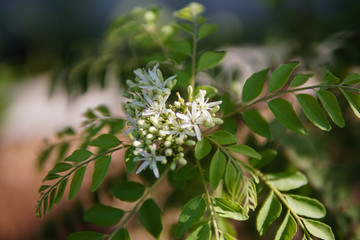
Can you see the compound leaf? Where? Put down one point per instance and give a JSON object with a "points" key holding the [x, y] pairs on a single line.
{"points": [[305, 206], [61, 190], [300, 79], [256, 122], [286, 181], [105, 141], [202, 148], [201, 233], [209, 59], [354, 101], [79, 156], [319, 229], [352, 78], [128, 191], [86, 236], [228, 209], [223, 137], [288, 228], [245, 150], [102, 215]]}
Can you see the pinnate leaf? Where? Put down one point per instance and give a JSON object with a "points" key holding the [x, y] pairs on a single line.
{"points": [[209, 59], [186, 172], [286, 115], [61, 190], [245, 150], [150, 218], [217, 169], [319, 229], [89, 235], [228, 209], [286, 181], [223, 137], [305, 206], [129, 160], [206, 29], [202, 148], [256, 122], [122, 234], [101, 167], [105, 141], [231, 178], [354, 101], [254, 85], [76, 182], [280, 76], [79, 155], [288, 228], [61, 167], [330, 78], [268, 213], [191, 213], [128, 191], [102, 215], [330, 103]]}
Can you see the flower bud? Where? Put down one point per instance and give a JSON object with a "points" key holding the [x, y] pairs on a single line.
{"points": [[152, 129], [136, 143], [173, 166], [190, 143], [182, 161], [218, 121], [215, 109], [168, 152], [150, 136], [177, 104], [167, 143], [179, 141]]}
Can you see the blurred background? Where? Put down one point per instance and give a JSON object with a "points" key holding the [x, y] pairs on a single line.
{"points": [[41, 40]]}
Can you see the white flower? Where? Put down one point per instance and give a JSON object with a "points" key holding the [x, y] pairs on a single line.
{"points": [[154, 107], [203, 104], [150, 160], [192, 119]]}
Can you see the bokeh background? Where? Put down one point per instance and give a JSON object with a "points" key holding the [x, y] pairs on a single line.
{"points": [[39, 37]]}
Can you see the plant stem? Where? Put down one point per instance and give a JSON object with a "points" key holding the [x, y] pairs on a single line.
{"points": [[242, 108], [193, 55], [140, 202], [208, 197]]}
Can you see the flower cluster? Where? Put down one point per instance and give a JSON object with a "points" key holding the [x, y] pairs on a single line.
{"points": [[161, 131]]}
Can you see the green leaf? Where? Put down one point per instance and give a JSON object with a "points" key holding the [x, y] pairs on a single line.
{"points": [[223, 137], [128, 191], [102, 215], [217, 169], [185, 26], [267, 155], [203, 232], [227, 105], [76, 182], [62, 150], [313, 111], [288, 228], [228, 209], [61, 167], [150, 218], [209, 59], [354, 101], [192, 212], [105, 141], [210, 91], [43, 188], [129, 160], [280, 76], [286, 115], [230, 125], [89, 114], [256, 122], [104, 110], [245, 150], [51, 199], [305, 206], [122, 234], [268, 213], [115, 125], [186, 172], [300, 79], [330, 78], [228, 237], [61, 190], [330, 103], [286, 181], [101, 167], [51, 176], [79, 156], [202, 148], [183, 79], [254, 85], [206, 29], [319, 229], [86, 236], [231, 178], [352, 78], [183, 47]]}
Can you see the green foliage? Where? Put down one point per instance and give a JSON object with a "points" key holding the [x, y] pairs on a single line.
{"points": [[208, 155]]}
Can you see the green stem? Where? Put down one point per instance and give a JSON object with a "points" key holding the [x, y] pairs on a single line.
{"points": [[77, 167], [242, 108], [193, 55], [208, 197], [138, 204], [282, 199]]}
